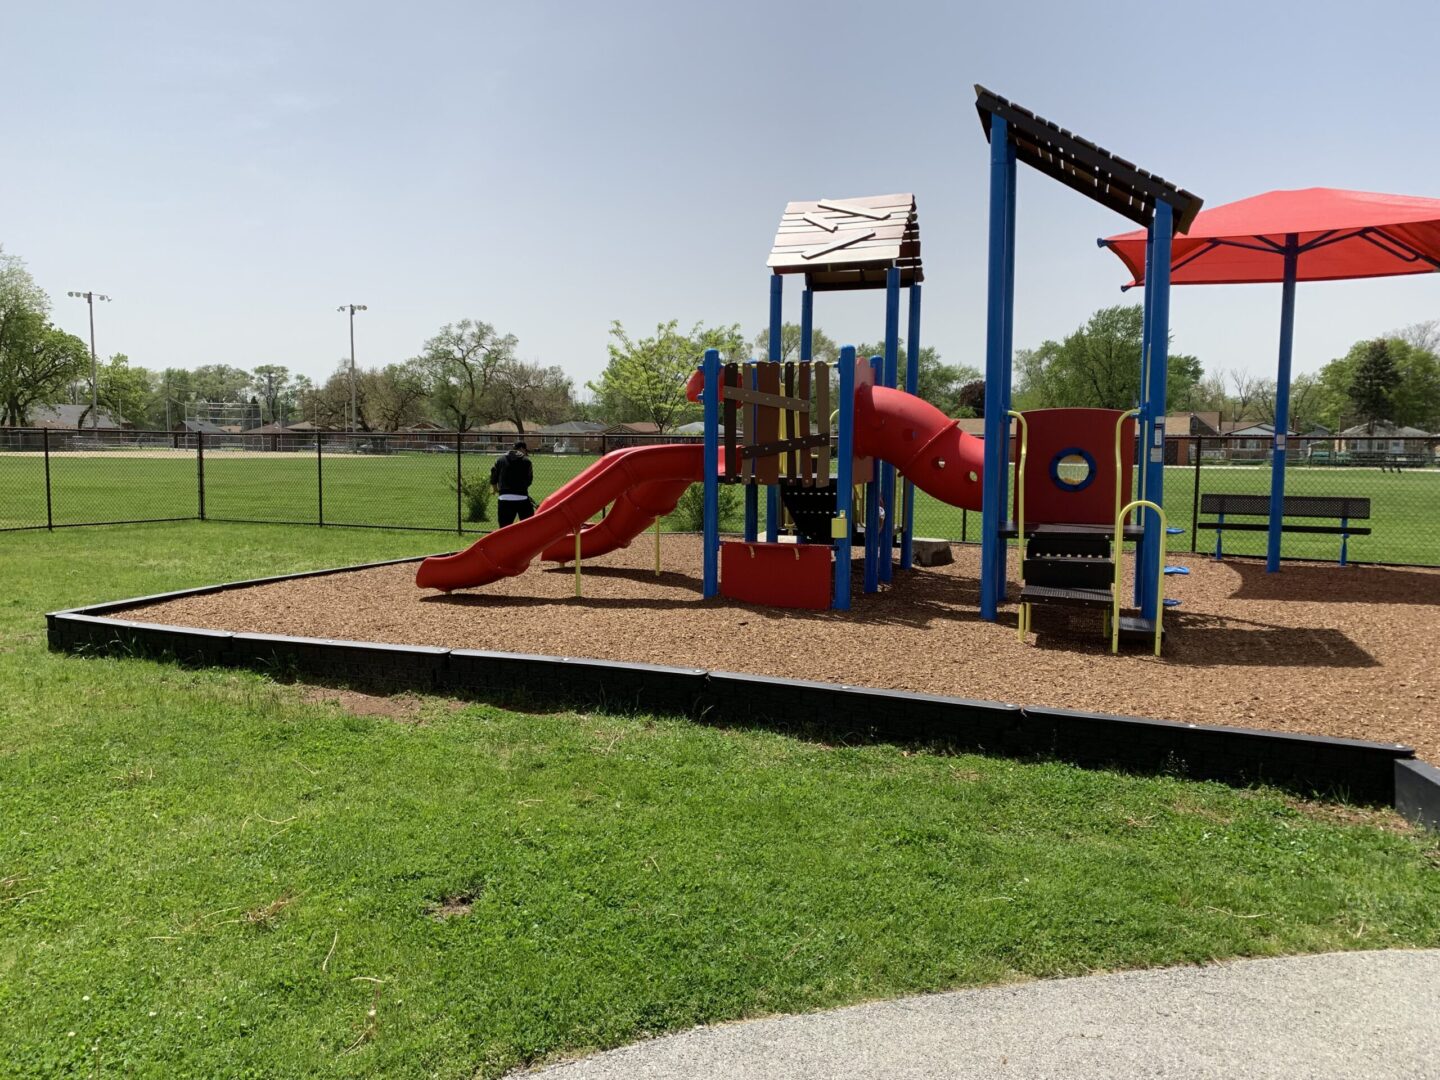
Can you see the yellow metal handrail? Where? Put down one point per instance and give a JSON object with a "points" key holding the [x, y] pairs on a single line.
{"points": [[1120, 517], [1022, 617], [1119, 430]]}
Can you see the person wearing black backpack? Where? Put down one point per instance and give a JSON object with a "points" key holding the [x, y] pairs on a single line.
{"points": [[511, 476]]}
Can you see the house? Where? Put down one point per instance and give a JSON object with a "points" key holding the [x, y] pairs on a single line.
{"points": [[1383, 438], [1184, 435], [73, 418], [576, 437]]}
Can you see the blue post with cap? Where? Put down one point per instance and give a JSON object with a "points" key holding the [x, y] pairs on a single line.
{"points": [[912, 386], [844, 478], [710, 399], [992, 550]]}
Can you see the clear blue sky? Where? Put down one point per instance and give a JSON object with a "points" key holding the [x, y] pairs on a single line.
{"points": [[231, 174]]}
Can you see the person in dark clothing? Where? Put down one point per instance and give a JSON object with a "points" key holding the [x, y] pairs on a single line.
{"points": [[511, 476]]}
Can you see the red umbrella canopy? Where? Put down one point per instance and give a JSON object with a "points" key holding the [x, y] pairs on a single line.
{"points": [[1342, 234]]}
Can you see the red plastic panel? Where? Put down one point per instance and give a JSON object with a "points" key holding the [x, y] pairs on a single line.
{"points": [[776, 575], [1090, 432]]}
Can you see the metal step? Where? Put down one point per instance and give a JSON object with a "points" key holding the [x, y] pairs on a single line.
{"points": [[1047, 594], [1069, 571], [1140, 631], [1094, 545]]}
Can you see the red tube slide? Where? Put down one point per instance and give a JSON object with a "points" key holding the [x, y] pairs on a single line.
{"points": [[925, 445], [645, 482]]}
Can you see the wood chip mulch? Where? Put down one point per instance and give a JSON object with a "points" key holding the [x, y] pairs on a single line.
{"points": [[1317, 648]]}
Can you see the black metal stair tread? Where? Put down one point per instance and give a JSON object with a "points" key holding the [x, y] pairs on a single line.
{"points": [[1047, 594], [1136, 627]]}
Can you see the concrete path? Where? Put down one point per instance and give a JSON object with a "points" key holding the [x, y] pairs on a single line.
{"points": [[1370, 1014]]}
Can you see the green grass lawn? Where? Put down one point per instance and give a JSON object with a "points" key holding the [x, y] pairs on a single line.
{"points": [[416, 490], [203, 873]]}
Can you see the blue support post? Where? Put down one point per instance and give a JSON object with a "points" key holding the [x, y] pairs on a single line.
{"points": [[710, 585], [1007, 354], [1141, 431], [885, 549], [1282, 402], [844, 478], [992, 546], [872, 504], [912, 386], [777, 329], [750, 374], [1153, 449]]}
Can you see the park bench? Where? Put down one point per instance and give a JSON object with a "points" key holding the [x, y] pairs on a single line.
{"points": [[1343, 508]]}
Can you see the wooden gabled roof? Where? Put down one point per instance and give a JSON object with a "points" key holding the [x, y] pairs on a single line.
{"points": [[849, 243], [1091, 170]]}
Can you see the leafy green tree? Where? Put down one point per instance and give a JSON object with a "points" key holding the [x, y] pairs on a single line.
{"points": [[1372, 384], [459, 364], [271, 384], [645, 379], [220, 383], [37, 362], [822, 345], [1098, 366], [393, 397], [531, 391], [125, 392], [36, 365]]}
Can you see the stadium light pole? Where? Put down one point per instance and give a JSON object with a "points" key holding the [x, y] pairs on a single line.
{"points": [[352, 309], [90, 298]]}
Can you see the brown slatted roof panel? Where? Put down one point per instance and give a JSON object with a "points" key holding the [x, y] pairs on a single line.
{"points": [[1092, 170], [849, 243]]}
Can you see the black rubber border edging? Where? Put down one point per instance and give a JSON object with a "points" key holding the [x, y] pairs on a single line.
{"points": [[1384, 773]]}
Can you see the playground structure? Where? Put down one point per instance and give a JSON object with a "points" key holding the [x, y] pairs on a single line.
{"points": [[769, 424]]}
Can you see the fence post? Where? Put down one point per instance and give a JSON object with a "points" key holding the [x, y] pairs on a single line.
{"points": [[200, 469], [319, 479], [49, 510], [603, 450], [175, 440], [1195, 498], [459, 489]]}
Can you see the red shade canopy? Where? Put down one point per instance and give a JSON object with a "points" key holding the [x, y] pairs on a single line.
{"points": [[1341, 234]]}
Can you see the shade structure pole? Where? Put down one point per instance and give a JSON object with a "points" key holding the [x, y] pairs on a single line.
{"points": [[1152, 447], [1140, 400], [912, 386], [885, 548], [710, 582], [997, 369], [1007, 352], [1282, 402]]}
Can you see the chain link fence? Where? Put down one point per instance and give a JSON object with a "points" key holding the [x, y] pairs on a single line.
{"points": [[439, 481]]}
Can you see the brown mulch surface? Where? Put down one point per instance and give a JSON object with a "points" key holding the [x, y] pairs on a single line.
{"points": [[1352, 652]]}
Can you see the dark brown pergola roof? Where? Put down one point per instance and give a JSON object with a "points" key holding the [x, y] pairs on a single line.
{"points": [[849, 243], [1089, 169]]}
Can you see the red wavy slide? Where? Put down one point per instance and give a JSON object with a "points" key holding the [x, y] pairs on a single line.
{"points": [[645, 482]]}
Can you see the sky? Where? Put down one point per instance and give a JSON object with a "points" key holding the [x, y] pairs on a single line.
{"points": [[230, 174]]}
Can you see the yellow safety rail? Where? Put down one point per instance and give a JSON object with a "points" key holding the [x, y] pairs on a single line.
{"points": [[1120, 517], [1022, 617], [1119, 431]]}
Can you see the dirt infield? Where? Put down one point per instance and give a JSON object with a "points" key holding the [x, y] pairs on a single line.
{"points": [[1350, 652]]}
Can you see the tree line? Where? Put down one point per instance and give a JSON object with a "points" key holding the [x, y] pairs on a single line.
{"points": [[468, 374], [1391, 379]]}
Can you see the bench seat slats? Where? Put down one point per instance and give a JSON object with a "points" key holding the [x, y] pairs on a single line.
{"points": [[1326, 506], [1262, 526]]}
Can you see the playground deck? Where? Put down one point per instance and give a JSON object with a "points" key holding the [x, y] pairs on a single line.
{"points": [[1347, 652]]}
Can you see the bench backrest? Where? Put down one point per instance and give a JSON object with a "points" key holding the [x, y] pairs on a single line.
{"points": [[1319, 506]]}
